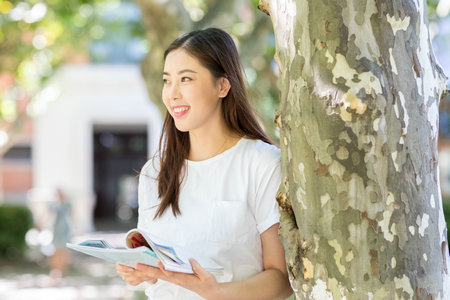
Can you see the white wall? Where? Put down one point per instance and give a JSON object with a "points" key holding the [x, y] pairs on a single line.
{"points": [[63, 136]]}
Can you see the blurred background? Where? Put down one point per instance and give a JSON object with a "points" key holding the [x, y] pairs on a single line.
{"points": [[80, 113]]}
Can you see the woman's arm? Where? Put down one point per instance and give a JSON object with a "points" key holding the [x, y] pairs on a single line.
{"points": [[272, 283]]}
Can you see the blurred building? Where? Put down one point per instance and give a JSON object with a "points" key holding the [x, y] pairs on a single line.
{"points": [[95, 129], [90, 141], [94, 139], [16, 176]]}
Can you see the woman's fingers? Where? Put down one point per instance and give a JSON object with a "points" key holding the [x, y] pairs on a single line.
{"points": [[164, 271], [123, 268], [198, 269], [149, 270], [177, 278], [151, 273], [135, 276], [201, 282]]}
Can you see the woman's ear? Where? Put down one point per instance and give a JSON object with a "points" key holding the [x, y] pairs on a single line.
{"points": [[224, 87]]}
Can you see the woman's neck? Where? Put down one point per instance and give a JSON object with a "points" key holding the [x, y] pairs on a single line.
{"points": [[204, 146]]}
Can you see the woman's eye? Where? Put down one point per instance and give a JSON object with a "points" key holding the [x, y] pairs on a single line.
{"points": [[165, 81], [184, 79]]}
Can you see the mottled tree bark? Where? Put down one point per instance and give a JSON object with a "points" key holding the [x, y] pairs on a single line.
{"points": [[360, 201]]}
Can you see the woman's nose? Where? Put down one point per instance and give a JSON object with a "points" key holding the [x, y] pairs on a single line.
{"points": [[174, 92]]}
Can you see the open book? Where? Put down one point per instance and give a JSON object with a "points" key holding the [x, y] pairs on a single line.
{"points": [[142, 247]]}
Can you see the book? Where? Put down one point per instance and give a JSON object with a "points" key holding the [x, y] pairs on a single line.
{"points": [[145, 248]]}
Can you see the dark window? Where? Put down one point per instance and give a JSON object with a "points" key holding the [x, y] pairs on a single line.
{"points": [[18, 153], [119, 154]]}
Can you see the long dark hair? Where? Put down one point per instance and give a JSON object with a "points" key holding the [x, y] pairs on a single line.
{"points": [[216, 51]]}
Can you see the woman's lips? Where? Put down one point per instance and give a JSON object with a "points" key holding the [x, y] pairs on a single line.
{"points": [[179, 111]]}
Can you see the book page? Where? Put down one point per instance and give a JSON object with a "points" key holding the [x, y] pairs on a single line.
{"points": [[135, 239], [128, 257], [96, 243], [179, 256]]}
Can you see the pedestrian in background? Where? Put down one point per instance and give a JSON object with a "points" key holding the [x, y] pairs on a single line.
{"points": [[62, 234]]}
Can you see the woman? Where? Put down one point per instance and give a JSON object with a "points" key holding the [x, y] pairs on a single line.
{"points": [[212, 187], [62, 234]]}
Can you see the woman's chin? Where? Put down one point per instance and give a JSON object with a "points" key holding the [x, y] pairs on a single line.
{"points": [[181, 128]]}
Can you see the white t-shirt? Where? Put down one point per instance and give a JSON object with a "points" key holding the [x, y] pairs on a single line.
{"points": [[226, 202]]}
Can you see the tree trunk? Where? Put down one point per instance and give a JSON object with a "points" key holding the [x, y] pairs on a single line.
{"points": [[162, 22], [360, 200]]}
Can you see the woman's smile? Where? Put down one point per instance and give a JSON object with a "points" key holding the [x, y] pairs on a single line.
{"points": [[180, 110]]}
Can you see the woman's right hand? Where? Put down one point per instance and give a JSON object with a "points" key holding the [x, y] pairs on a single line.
{"points": [[133, 276]]}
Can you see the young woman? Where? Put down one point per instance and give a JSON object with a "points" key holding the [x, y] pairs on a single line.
{"points": [[212, 187]]}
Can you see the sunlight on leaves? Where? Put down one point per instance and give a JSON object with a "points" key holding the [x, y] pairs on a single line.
{"points": [[196, 9], [5, 7]]}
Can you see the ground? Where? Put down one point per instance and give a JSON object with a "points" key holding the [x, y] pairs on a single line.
{"points": [[87, 278]]}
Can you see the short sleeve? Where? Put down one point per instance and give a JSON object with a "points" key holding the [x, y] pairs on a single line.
{"points": [[265, 207]]}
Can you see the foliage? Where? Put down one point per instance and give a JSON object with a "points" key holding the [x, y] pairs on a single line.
{"points": [[431, 7], [250, 28], [35, 38], [15, 221]]}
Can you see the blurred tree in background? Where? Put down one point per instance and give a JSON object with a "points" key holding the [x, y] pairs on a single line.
{"points": [[252, 31], [15, 221], [37, 36]]}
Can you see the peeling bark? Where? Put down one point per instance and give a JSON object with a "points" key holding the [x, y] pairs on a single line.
{"points": [[361, 213]]}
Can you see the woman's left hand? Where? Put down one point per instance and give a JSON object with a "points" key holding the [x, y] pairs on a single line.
{"points": [[201, 282]]}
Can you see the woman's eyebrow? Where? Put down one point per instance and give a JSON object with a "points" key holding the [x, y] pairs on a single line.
{"points": [[186, 71], [181, 72]]}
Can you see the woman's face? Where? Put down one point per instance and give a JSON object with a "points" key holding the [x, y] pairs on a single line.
{"points": [[190, 93]]}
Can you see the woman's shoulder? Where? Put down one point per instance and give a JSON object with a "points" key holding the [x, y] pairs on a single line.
{"points": [[151, 167], [262, 151]]}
